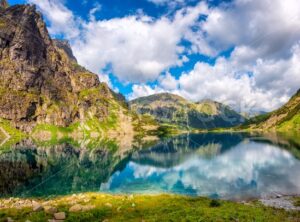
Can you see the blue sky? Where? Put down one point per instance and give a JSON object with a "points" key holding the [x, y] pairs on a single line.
{"points": [[228, 51]]}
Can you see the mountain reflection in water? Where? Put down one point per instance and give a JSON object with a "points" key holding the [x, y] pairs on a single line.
{"points": [[230, 166]]}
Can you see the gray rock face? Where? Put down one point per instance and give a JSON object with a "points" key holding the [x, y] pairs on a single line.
{"points": [[40, 81], [65, 45]]}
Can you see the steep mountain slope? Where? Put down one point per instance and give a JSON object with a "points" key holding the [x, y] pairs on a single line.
{"points": [[175, 110], [286, 118], [41, 83]]}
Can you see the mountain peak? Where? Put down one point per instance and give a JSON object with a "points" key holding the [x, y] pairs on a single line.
{"points": [[40, 81], [3, 4], [66, 47], [173, 109]]}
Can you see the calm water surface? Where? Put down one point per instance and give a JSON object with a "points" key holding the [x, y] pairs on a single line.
{"points": [[229, 166]]}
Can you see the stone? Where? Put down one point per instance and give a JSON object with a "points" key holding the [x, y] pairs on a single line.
{"points": [[9, 219], [88, 207], [60, 216], [50, 210], [75, 208], [36, 207], [108, 205]]}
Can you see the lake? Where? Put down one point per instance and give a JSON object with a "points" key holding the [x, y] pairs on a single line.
{"points": [[228, 166]]}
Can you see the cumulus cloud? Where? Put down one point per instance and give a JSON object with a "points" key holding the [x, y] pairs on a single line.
{"points": [[261, 73], [138, 47], [144, 90], [259, 87]]}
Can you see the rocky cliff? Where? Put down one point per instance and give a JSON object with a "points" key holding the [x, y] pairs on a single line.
{"points": [[40, 80]]}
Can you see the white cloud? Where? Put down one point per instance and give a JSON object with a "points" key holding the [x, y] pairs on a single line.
{"points": [[168, 82], [249, 88], [263, 69], [271, 27], [170, 3], [261, 73], [144, 90], [139, 48]]}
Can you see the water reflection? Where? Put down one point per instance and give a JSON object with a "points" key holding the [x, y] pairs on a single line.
{"points": [[217, 165], [233, 166]]}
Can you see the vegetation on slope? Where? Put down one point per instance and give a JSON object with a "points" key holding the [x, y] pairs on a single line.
{"points": [[174, 110], [286, 118]]}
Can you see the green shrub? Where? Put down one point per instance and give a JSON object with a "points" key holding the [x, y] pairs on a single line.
{"points": [[214, 203]]}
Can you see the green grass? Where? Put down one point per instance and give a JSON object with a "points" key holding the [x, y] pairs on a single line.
{"points": [[292, 124], [15, 135], [297, 201], [2, 24], [155, 208]]}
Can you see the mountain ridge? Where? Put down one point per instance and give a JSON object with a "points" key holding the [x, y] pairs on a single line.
{"points": [[173, 109]]}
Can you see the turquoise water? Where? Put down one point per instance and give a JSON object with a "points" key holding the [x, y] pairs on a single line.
{"points": [[229, 166]]}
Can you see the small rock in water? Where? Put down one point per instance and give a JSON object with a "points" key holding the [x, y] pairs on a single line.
{"points": [[9, 219], [75, 208], [50, 210], [60, 216]]}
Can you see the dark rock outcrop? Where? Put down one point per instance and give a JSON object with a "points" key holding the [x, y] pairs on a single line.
{"points": [[40, 81]]}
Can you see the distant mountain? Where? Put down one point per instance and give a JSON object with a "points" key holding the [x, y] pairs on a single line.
{"points": [[287, 118], [172, 109], [249, 115]]}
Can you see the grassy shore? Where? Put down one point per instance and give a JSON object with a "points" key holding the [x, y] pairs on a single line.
{"points": [[104, 207]]}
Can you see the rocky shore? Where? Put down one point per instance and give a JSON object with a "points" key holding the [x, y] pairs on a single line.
{"points": [[105, 207]]}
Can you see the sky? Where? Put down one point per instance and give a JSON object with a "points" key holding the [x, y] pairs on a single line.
{"points": [[244, 53]]}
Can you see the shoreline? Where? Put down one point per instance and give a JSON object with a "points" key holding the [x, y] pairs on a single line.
{"points": [[115, 207]]}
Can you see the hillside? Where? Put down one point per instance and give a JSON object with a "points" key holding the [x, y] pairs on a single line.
{"points": [[286, 118], [175, 110], [45, 92]]}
